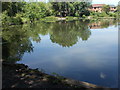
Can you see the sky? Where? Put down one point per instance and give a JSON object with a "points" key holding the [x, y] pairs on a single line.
{"points": [[112, 2]]}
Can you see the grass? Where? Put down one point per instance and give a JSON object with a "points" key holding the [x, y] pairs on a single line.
{"points": [[71, 18], [49, 19]]}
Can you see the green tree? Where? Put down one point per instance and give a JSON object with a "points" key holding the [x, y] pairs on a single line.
{"points": [[70, 8], [36, 11], [12, 7], [106, 9], [118, 10]]}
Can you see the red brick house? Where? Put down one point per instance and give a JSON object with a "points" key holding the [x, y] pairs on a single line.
{"points": [[98, 8]]}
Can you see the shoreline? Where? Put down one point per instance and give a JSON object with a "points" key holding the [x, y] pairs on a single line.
{"points": [[51, 19], [71, 18], [21, 76]]}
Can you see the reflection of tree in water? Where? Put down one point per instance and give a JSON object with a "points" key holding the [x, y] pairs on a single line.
{"points": [[15, 50], [17, 39], [15, 43], [63, 35], [67, 34], [111, 23]]}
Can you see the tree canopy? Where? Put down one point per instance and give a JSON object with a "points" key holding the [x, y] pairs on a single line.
{"points": [[106, 8], [37, 10]]}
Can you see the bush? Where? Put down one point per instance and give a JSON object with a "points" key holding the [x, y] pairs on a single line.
{"points": [[70, 18], [76, 14], [112, 14], [92, 13], [97, 14], [102, 14], [83, 16]]}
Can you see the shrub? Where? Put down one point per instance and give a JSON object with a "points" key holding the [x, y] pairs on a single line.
{"points": [[83, 16], [70, 18], [112, 14]]}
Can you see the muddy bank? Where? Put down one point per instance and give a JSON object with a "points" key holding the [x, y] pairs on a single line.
{"points": [[21, 76]]}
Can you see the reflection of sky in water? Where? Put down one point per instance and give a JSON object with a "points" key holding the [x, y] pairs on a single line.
{"points": [[94, 60]]}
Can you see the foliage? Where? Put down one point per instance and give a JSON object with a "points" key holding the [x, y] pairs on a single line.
{"points": [[12, 7], [27, 12], [16, 40], [17, 20], [112, 14], [5, 18], [70, 18], [67, 34], [118, 10], [103, 14], [36, 11], [64, 9], [106, 8], [50, 19]]}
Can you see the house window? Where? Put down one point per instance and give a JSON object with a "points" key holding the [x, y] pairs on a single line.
{"points": [[94, 7]]}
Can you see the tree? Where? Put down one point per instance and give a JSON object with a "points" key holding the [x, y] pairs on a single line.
{"points": [[12, 7], [36, 11], [22, 12], [70, 8], [118, 10], [106, 9]]}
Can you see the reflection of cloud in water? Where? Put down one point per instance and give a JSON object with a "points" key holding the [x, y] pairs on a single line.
{"points": [[102, 75], [89, 60], [60, 61]]}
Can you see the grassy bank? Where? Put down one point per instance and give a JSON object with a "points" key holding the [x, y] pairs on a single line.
{"points": [[20, 76]]}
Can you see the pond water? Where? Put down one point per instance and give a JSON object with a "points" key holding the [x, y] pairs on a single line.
{"points": [[81, 50]]}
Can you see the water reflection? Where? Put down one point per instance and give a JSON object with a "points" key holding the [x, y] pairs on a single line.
{"points": [[102, 24], [17, 39], [70, 49], [102, 75], [67, 34], [15, 43]]}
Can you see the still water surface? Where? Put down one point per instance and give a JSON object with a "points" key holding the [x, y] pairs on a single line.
{"points": [[81, 50]]}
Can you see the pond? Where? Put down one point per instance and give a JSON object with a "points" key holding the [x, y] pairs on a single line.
{"points": [[81, 50]]}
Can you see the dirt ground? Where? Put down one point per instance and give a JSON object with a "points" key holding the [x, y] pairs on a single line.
{"points": [[20, 76]]}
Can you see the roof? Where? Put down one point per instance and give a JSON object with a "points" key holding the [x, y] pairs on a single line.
{"points": [[98, 5]]}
